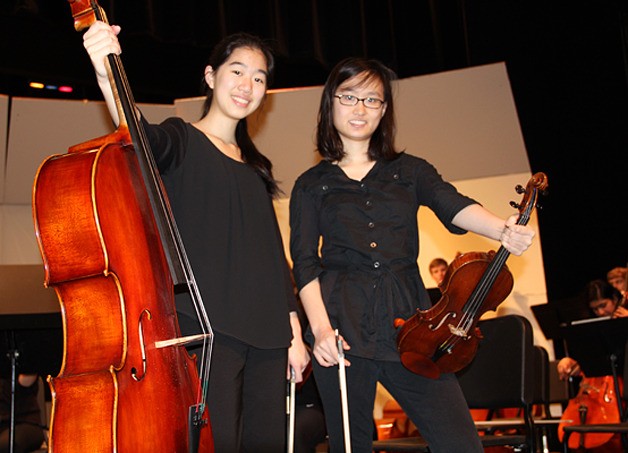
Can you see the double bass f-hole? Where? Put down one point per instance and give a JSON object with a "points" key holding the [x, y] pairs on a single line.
{"points": [[140, 330]]}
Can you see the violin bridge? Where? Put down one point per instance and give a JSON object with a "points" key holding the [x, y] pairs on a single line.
{"points": [[458, 331]]}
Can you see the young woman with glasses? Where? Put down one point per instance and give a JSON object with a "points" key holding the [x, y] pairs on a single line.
{"points": [[362, 200]]}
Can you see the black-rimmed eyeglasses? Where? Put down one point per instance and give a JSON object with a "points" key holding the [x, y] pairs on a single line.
{"points": [[349, 99]]}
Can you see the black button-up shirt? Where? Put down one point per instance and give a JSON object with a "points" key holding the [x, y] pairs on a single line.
{"points": [[367, 264]]}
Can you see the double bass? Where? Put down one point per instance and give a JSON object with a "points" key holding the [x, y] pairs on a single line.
{"points": [[113, 255], [444, 338]]}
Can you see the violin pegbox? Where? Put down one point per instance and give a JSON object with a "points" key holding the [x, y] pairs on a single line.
{"points": [[537, 183]]}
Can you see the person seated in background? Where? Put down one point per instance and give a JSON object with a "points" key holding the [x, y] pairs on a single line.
{"points": [[28, 433], [617, 278], [603, 300], [438, 269]]}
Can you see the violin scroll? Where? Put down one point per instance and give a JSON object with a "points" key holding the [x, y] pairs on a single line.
{"points": [[537, 183]]}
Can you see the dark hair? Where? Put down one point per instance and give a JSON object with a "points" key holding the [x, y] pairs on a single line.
{"points": [[381, 145], [251, 155], [601, 289]]}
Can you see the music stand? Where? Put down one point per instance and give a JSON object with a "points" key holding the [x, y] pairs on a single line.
{"points": [[38, 340], [554, 314], [599, 346]]}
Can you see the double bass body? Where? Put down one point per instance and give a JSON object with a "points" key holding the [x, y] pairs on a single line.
{"points": [[116, 391]]}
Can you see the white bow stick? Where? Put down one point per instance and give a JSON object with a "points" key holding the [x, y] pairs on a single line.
{"points": [[342, 376], [290, 409]]}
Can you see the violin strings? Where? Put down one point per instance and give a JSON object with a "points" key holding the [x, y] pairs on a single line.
{"points": [[481, 291]]}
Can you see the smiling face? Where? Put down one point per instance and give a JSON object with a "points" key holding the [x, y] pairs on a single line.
{"points": [[239, 84], [357, 123]]}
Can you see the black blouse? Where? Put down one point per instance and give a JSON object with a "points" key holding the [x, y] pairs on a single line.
{"points": [[230, 232], [367, 265]]}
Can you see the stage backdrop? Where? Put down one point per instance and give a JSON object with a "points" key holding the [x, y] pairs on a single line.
{"points": [[464, 122]]}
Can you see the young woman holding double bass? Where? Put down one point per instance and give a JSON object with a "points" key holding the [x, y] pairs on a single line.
{"points": [[220, 189]]}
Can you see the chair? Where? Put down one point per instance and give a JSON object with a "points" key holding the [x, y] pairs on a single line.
{"points": [[615, 428], [547, 389], [556, 393], [501, 375], [550, 390]]}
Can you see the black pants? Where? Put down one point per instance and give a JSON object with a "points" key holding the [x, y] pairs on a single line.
{"points": [[247, 397], [437, 407], [309, 428]]}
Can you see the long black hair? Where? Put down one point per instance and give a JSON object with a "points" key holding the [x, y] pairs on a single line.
{"points": [[381, 145], [250, 154]]}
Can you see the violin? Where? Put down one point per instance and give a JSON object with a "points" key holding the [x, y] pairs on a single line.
{"points": [[444, 338], [112, 253], [595, 403]]}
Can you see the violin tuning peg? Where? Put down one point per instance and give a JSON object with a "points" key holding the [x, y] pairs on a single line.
{"points": [[520, 189], [515, 205]]}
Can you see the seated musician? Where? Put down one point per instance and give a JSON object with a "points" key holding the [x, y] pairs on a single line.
{"points": [[590, 404], [28, 433], [603, 300]]}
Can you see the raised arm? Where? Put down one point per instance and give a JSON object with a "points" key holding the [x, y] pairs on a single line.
{"points": [[101, 40], [477, 219]]}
